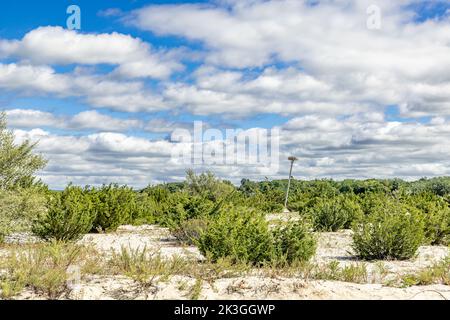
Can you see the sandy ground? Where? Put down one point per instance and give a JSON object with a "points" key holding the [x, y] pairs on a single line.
{"points": [[331, 247], [337, 246], [152, 238], [178, 287]]}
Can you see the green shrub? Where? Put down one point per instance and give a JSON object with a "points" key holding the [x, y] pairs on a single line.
{"points": [[146, 210], [293, 243], [207, 186], [241, 234], [334, 213], [18, 209], [300, 204], [436, 213], [180, 206], [189, 231], [266, 202], [391, 230], [114, 206], [70, 215]]}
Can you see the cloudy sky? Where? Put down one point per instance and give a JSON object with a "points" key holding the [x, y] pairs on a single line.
{"points": [[355, 88]]}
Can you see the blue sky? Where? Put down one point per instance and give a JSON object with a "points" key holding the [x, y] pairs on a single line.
{"points": [[348, 100]]}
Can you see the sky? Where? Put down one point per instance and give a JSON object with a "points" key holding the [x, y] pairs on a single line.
{"points": [[352, 88]]}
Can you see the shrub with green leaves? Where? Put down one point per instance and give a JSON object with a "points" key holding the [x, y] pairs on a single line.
{"points": [[69, 216], [436, 214], [243, 235], [391, 230], [181, 206], [114, 206], [293, 242], [240, 233], [189, 231], [146, 210], [333, 214], [18, 209], [207, 186]]}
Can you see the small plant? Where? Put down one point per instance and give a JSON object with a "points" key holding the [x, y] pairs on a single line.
{"points": [[356, 273], [196, 289], [146, 268], [391, 230], [70, 215]]}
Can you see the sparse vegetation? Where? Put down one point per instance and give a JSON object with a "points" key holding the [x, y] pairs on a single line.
{"points": [[356, 273], [145, 267], [439, 273], [42, 269]]}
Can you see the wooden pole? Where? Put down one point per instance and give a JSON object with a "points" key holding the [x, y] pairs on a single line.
{"points": [[292, 159]]}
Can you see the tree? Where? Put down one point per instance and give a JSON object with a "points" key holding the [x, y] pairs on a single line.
{"points": [[18, 163], [207, 185]]}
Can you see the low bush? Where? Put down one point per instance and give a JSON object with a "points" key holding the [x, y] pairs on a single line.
{"points": [[301, 204], [114, 206], [436, 213], [146, 210], [243, 235], [333, 214], [70, 215], [268, 203], [293, 242], [240, 233], [391, 230], [263, 196], [180, 206]]}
